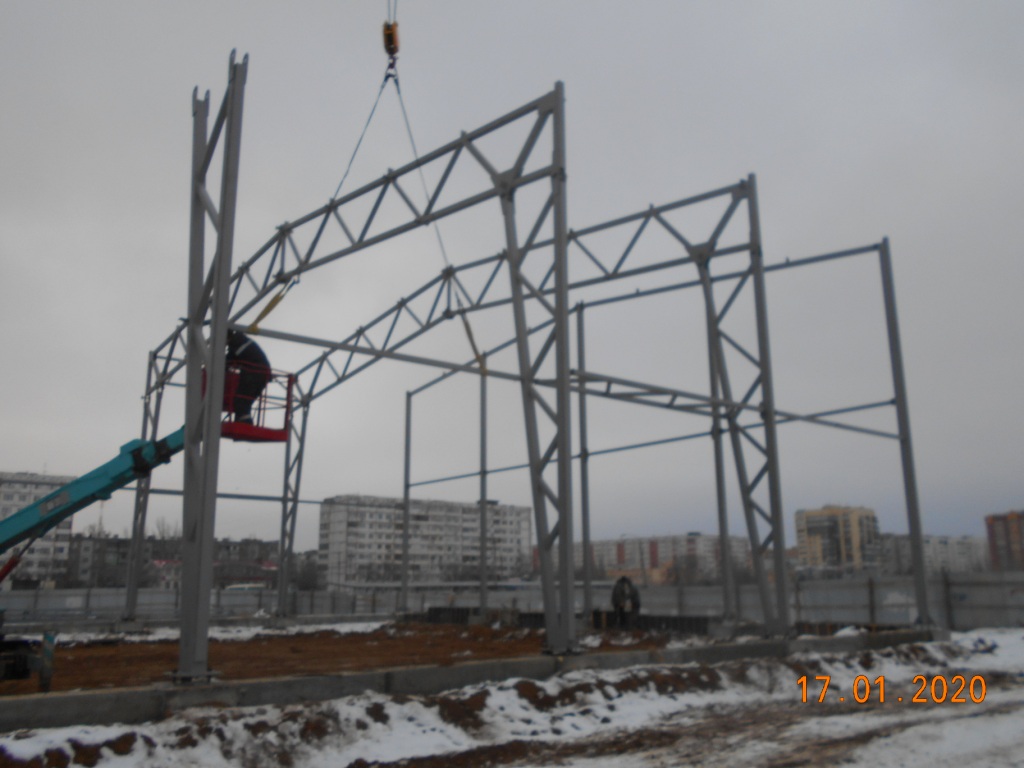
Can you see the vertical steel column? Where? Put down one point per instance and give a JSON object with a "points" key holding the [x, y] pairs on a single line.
{"points": [[903, 421], [563, 371], [150, 424], [483, 488], [702, 259], [768, 414], [290, 511], [202, 416], [403, 604], [559, 610], [537, 486], [588, 559], [724, 543]]}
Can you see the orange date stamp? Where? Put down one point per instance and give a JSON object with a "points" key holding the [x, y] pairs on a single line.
{"points": [[929, 689]]}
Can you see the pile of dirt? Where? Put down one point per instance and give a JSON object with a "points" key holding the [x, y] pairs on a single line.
{"points": [[115, 664]]}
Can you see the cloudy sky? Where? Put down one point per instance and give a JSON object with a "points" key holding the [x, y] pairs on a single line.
{"points": [[861, 120]]}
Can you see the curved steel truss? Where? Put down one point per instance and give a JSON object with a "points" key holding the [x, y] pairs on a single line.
{"points": [[542, 274]]}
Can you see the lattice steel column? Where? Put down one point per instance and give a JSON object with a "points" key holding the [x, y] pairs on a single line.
{"points": [[559, 607], [768, 416], [207, 302], [776, 614]]}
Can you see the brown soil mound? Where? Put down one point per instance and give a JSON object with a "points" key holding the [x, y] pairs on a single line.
{"points": [[115, 664]]}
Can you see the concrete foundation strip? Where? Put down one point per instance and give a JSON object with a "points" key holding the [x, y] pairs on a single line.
{"points": [[155, 702]]}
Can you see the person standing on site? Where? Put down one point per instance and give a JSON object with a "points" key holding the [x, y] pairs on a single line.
{"points": [[254, 373], [626, 603]]}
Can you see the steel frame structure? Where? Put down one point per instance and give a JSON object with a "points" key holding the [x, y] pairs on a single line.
{"points": [[543, 372]]}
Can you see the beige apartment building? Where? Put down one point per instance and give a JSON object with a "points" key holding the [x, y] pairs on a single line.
{"points": [[836, 537]]}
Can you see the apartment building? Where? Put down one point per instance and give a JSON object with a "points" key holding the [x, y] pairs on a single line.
{"points": [[694, 557], [1006, 540], [835, 537], [361, 539], [46, 561], [950, 554]]}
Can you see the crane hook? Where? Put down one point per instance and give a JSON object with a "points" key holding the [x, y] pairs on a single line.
{"points": [[391, 40]]}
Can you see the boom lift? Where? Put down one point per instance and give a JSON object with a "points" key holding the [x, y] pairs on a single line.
{"points": [[136, 459]]}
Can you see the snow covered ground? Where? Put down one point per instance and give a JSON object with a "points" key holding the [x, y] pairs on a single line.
{"points": [[742, 713], [228, 633]]}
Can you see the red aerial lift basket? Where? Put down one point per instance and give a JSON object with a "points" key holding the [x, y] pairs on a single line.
{"points": [[271, 410]]}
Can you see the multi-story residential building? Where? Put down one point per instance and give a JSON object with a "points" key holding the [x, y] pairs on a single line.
{"points": [[695, 557], [834, 537], [98, 559], [248, 561], [361, 539], [952, 554], [1006, 540], [47, 559]]}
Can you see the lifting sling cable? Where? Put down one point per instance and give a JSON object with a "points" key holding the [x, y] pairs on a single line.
{"points": [[390, 73], [272, 304], [437, 231]]}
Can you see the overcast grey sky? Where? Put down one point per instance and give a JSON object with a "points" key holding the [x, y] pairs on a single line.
{"points": [[861, 120]]}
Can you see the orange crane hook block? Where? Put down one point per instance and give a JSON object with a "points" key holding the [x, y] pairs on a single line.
{"points": [[391, 38]]}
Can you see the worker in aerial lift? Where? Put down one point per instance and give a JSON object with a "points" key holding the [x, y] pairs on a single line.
{"points": [[626, 602], [254, 373]]}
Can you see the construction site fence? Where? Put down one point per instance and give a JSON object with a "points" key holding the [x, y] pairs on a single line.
{"points": [[956, 601]]}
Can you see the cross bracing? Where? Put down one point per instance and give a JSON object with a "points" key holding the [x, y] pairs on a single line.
{"points": [[543, 274]]}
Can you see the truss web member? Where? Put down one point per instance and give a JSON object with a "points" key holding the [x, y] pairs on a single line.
{"points": [[245, 355]]}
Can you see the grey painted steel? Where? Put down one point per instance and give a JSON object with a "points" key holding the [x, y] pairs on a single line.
{"points": [[483, 490], [563, 368], [725, 548], [559, 604], [282, 259], [903, 419], [732, 413], [768, 415], [150, 424], [584, 456], [295, 451], [406, 504], [208, 296]]}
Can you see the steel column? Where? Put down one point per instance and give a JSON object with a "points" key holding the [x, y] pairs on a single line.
{"points": [[559, 609], [732, 419], [729, 612], [588, 557], [768, 415], [202, 415], [563, 370], [293, 462], [483, 489], [403, 604], [906, 447]]}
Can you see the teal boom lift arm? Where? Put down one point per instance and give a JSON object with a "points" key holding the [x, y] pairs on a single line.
{"points": [[136, 459]]}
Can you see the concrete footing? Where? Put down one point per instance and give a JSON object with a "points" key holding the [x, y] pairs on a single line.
{"points": [[152, 703]]}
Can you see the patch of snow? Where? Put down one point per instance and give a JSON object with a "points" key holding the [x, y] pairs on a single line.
{"points": [[226, 633], [590, 705]]}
